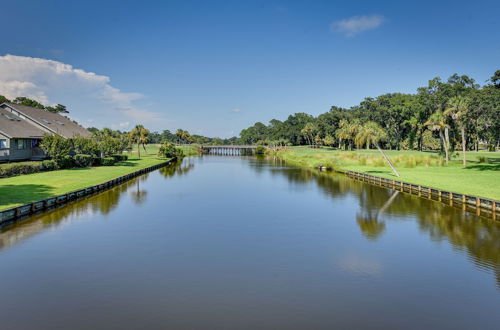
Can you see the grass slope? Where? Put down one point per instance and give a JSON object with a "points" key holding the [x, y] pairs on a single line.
{"points": [[23, 189], [424, 168]]}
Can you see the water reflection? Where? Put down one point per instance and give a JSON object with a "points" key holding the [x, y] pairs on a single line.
{"points": [[478, 237], [102, 203]]}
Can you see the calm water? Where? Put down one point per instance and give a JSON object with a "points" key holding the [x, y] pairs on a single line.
{"points": [[240, 243]]}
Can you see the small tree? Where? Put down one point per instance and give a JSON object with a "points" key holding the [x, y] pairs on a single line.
{"points": [[56, 147], [168, 150], [457, 110], [372, 133], [139, 135], [328, 140], [87, 146], [437, 122]]}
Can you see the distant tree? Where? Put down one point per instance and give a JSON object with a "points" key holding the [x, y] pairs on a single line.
{"points": [[308, 132], [139, 135], [328, 140], [3, 99], [437, 122], [59, 108], [457, 110], [372, 133], [28, 102], [495, 79]]}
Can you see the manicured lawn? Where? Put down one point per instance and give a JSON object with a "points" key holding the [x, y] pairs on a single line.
{"points": [[23, 189], [481, 176]]}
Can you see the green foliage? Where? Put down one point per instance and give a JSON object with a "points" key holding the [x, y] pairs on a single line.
{"points": [[260, 150], [168, 150], [108, 161], [83, 145], [66, 162], [120, 157], [140, 136], [453, 109], [82, 160], [56, 147], [49, 165], [12, 169]]}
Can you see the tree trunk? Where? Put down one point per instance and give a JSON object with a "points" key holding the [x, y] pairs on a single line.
{"points": [[463, 144], [445, 146], [139, 150], [387, 160]]}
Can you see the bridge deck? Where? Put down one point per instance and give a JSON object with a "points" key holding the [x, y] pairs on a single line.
{"points": [[229, 147]]}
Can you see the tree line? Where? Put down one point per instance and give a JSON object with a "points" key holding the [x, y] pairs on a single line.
{"points": [[444, 115]]}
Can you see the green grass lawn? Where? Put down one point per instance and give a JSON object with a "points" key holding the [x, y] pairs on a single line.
{"points": [[481, 176], [23, 189]]}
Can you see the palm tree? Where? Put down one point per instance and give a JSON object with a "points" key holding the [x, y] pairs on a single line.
{"points": [[347, 131], [372, 133], [139, 135], [308, 132], [458, 108], [437, 122]]}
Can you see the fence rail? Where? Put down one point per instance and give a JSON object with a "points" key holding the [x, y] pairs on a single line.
{"points": [[466, 202], [15, 213]]}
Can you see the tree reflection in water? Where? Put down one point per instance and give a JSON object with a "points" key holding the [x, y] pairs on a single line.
{"points": [[477, 236], [102, 203]]}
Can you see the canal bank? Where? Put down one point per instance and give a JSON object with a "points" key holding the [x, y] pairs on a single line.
{"points": [[18, 212], [474, 184]]}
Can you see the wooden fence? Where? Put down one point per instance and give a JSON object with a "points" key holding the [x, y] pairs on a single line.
{"points": [[17, 212], [479, 205]]}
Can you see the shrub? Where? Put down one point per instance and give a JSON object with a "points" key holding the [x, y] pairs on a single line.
{"points": [[82, 160], [260, 150], [108, 161], [49, 165], [120, 158], [56, 146], [13, 169], [65, 162], [168, 150], [482, 159], [96, 161]]}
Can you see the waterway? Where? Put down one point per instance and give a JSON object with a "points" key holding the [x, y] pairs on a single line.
{"points": [[222, 242]]}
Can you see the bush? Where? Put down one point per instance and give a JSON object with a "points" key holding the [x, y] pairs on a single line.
{"points": [[168, 150], [66, 162], [82, 160], [260, 150], [120, 158], [49, 165], [96, 161], [13, 169], [108, 161]]}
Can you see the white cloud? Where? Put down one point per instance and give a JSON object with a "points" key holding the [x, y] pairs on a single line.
{"points": [[236, 110], [357, 24], [87, 95]]}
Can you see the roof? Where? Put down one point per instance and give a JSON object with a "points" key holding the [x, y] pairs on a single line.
{"points": [[54, 122], [15, 127]]}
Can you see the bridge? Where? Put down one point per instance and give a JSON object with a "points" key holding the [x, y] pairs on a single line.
{"points": [[229, 150]]}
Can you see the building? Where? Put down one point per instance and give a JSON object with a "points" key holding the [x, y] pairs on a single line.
{"points": [[22, 129]]}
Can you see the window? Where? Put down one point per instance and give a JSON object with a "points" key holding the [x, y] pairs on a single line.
{"points": [[3, 144], [21, 144]]}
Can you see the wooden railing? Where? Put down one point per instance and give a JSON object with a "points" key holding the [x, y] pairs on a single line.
{"points": [[466, 202]]}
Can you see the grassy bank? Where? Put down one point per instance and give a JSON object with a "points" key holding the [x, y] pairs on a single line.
{"points": [[23, 189], [480, 177]]}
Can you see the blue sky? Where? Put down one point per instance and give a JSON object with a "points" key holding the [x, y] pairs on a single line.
{"points": [[215, 67]]}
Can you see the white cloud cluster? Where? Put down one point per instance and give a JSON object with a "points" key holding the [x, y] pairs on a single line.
{"points": [[49, 82], [357, 24]]}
